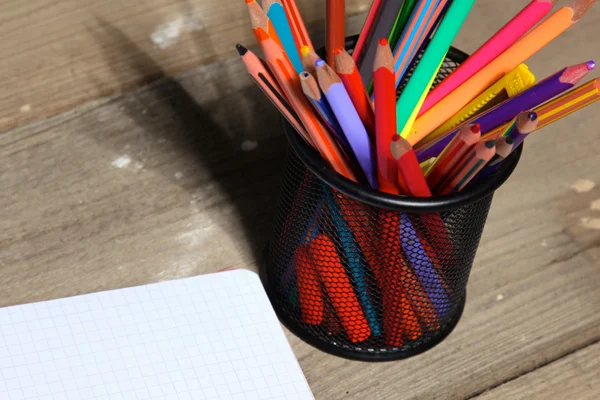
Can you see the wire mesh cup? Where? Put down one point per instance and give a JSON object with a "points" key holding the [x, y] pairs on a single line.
{"points": [[367, 275]]}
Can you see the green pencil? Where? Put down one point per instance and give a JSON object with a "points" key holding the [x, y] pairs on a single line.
{"points": [[405, 13], [421, 79]]}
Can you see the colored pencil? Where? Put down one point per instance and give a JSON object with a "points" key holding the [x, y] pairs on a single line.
{"points": [[560, 107], [348, 118], [297, 25], [263, 79], [309, 60], [526, 123], [500, 41], [289, 82], [385, 117], [552, 86], [399, 317], [366, 30], [536, 39], [410, 41], [408, 167], [510, 85], [423, 266], [348, 233], [278, 17], [568, 104], [422, 78], [504, 146], [336, 27], [428, 227], [401, 22], [387, 17], [468, 167], [311, 90], [460, 145], [310, 296], [339, 288], [259, 18], [348, 72], [410, 287]]}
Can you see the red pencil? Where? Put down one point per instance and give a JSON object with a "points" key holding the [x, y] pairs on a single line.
{"points": [[408, 166], [336, 27], [385, 116], [459, 146], [310, 295], [366, 30], [339, 288], [468, 167], [346, 69]]}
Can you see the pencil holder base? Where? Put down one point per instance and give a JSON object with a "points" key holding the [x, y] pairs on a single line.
{"points": [[366, 352]]}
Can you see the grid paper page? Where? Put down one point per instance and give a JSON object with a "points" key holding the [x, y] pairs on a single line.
{"points": [[207, 337]]}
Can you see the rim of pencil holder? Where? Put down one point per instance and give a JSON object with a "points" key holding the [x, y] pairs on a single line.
{"points": [[314, 161]]}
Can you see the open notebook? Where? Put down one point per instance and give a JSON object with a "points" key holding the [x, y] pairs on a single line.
{"points": [[207, 337]]}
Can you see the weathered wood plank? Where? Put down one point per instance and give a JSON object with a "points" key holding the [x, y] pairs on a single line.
{"points": [[576, 376], [154, 184], [56, 55]]}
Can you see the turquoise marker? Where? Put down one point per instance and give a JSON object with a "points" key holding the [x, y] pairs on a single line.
{"points": [[276, 14]]}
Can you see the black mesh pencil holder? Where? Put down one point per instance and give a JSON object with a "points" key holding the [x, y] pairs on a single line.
{"points": [[367, 275]]}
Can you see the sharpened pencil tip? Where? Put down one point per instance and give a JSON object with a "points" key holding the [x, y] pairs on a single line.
{"points": [[319, 63], [304, 50], [591, 65], [532, 116], [241, 49], [508, 139], [475, 128], [383, 41], [490, 143]]}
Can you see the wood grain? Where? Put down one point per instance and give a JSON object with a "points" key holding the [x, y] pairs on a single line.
{"points": [[577, 375], [58, 54], [153, 184]]}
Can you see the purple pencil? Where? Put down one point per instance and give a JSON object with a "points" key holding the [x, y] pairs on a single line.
{"points": [[349, 120], [545, 90], [526, 123]]}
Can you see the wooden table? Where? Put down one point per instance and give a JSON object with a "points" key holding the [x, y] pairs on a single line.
{"points": [[180, 177]]}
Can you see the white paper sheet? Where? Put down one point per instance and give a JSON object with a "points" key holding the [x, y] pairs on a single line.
{"points": [[207, 337]]}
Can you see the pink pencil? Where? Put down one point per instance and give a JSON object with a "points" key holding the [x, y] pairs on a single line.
{"points": [[366, 30], [502, 40]]}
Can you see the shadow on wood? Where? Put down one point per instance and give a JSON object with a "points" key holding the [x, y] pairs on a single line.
{"points": [[210, 125]]}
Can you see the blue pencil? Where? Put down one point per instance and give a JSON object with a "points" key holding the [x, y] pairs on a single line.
{"points": [[278, 17], [355, 261], [310, 87]]}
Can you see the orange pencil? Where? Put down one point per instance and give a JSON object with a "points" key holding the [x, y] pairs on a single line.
{"points": [[459, 146], [399, 317], [346, 69], [262, 20], [297, 24], [336, 27], [519, 52], [284, 73], [263, 79], [469, 166], [309, 60], [385, 116], [310, 295], [339, 288]]}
